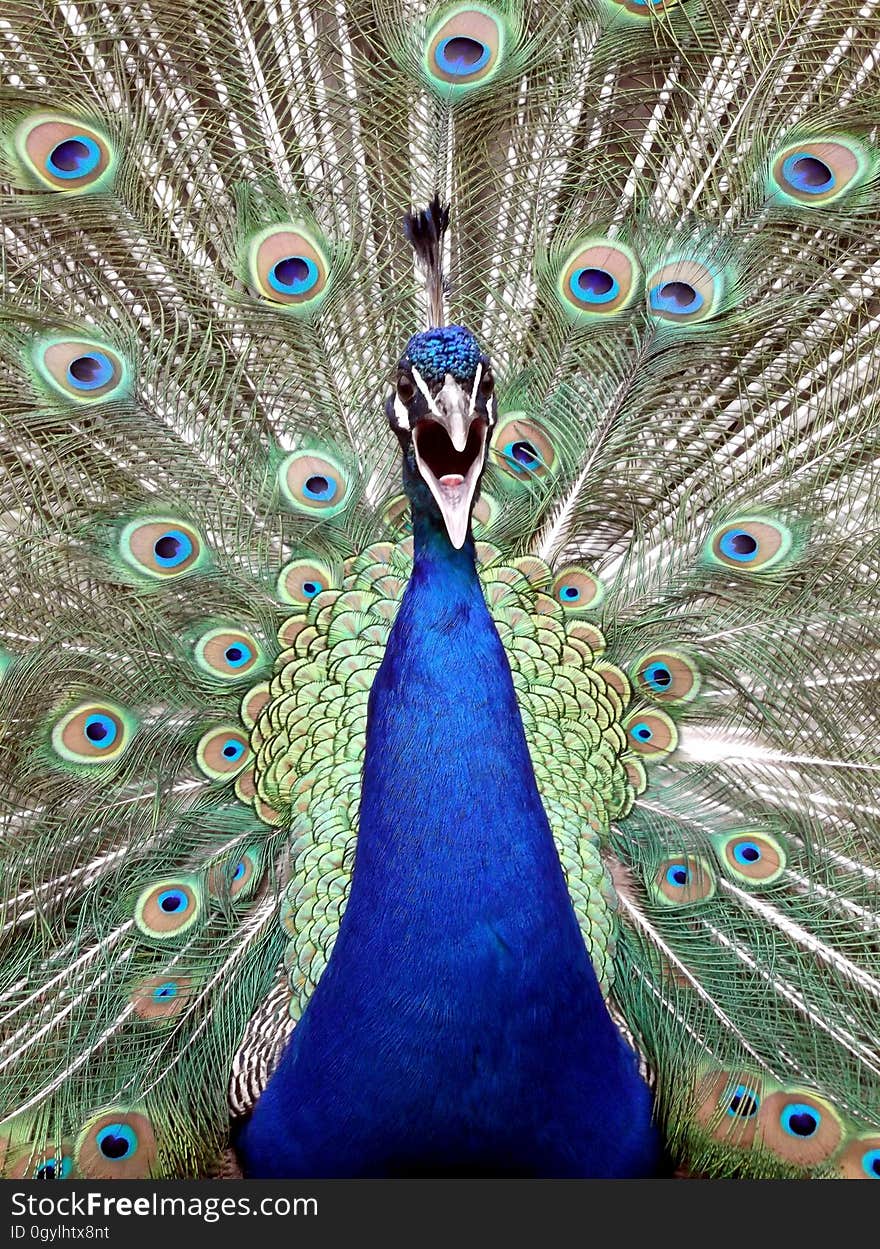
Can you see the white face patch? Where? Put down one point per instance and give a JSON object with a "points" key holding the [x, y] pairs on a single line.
{"points": [[423, 387], [475, 388], [400, 411]]}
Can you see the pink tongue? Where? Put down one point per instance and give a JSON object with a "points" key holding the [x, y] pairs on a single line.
{"points": [[451, 479]]}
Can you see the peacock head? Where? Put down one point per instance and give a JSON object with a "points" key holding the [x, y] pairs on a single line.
{"points": [[442, 412]]}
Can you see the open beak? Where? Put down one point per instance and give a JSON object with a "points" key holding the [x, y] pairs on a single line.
{"points": [[450, 451]]}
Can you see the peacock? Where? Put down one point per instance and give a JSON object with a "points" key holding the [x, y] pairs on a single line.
{"points": [[440, 625]]}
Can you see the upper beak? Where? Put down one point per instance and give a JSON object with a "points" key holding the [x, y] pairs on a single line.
{"points": [[450, 449]]}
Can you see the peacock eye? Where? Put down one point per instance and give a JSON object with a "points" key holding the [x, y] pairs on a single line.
{"points": [[487, 384], [63, 154], [465, 50], [819, 170], [288, 267], [686, 290], [405, 388], [750, 544], [599, 279], [83, 370]]}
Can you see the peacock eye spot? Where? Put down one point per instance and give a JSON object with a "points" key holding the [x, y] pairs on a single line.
{"points": [[101, 730], [739, 545], [293, 275], [164, 992], [570, 593], [802, 1125], [871, 1163], [743, 1103], [171, 549], [88, 372], [310, 588], [801, 1120], [658, 676], [232, 750], [461, 55], [116, 1142], [747, 852], [678, 875], [237, 654], [69, 154], [599, 279], [643, 732], [751, 543], [292, 269], [172, 901], [525, 454], [319, 487], [74, 157], [676, 297], [596, 282], [239, 870], [808, 173], [680, 293]]}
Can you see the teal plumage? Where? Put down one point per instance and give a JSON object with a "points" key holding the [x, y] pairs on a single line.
{"points": [[662, 236]]}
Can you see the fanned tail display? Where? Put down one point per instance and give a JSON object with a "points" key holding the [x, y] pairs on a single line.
{"points": [[643, 238]]}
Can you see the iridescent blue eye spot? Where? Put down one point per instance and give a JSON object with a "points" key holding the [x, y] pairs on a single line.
{"points": [[522, 456], [238, 654], [164, 992], [311, 588], [738, 544], [101, 731], [642, 731], [53, 1169], [807, 173], [746, 853], [293, 275], [172, 549], [743, 1102], [871, 1164], [117, 1141], [678, 875], [569, 593], [232, 750], [319, 488], [800, 1120], [173, 901], [73, 158], [658, 677], [461, 55], [594, 286], [676, 297], [240, 869], [90, 371]]}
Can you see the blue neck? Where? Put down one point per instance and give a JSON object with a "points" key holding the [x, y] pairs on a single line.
{"points": [[447, 778], [459, 1027]]}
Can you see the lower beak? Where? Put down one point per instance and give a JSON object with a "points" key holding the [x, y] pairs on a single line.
{"points": [[451, 472]]}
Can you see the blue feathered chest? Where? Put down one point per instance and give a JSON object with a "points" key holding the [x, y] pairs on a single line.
{"points": [[459, 1026]]}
